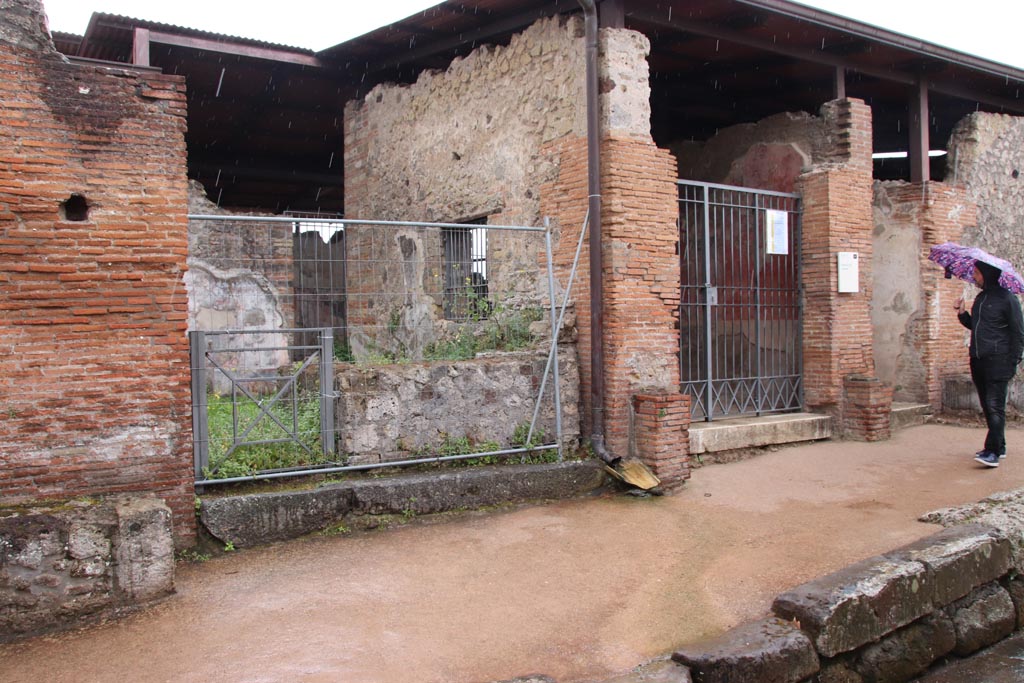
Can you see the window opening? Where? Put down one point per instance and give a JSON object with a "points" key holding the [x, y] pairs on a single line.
{"points": [[466, 295]]}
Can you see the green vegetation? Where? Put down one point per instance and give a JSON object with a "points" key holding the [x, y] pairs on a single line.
{"points": [[249, 459], [450, 445], [338, 529], [191, 555], [503, 329]]}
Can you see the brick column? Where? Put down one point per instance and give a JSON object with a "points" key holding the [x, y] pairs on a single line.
{"points": [[94, 359], [661, 435], [641, 282], [867, 407], [837, 332], [941, 212]]}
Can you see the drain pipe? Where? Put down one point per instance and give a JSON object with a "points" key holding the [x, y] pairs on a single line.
{"points": [[597, 386]]}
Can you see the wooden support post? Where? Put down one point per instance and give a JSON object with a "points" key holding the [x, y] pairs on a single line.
{"points": [[140, 47], [840, 84], [919, 143], [612, 14]]}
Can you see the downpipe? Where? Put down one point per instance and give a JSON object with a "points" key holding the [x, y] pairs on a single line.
{"points": [[597, 378]]}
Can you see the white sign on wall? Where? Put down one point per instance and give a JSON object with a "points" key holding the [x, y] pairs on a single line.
{"points": [[849, 271], [776, 231]]}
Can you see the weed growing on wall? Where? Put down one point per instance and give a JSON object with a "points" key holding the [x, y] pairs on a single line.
{"points": [[451, 445], [504, 329]]}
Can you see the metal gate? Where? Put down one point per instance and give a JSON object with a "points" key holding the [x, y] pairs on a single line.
{"points": [[259, 406], [740, 300]]}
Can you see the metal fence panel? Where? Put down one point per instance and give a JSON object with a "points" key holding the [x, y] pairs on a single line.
{"points": [[740, 313], [279, 306]]}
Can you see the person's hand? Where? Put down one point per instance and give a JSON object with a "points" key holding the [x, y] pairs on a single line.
{"points": [[959, 305]]}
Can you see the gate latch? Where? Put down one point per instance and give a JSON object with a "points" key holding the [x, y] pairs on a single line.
{"points": [[712, 295]]}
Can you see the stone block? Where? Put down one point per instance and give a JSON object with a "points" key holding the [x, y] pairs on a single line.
{"points": [[663, 671], [86, 541], [959, 559], [1015, 587], [766, 651], [984, 617], [907, 652], [143, 550], [838, 671], [261, 518], [858, 604]]}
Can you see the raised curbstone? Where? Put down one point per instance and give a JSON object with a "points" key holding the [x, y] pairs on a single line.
{"points": [[143, 550], [663, 671], [1015, 586], [907, 652], [250, 520], [859, 604], [253, 519], [959, 559], [766, 651], [984, 617], [837, 671]]}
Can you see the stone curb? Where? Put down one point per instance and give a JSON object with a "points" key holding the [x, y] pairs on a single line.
{"points": [[886, 618], [250, 520]]}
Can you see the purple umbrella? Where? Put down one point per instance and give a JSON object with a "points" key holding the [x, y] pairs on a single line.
{"points": [[959, 260]]}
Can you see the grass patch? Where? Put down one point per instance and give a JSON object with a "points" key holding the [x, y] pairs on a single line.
{"points": [[228, 422]]}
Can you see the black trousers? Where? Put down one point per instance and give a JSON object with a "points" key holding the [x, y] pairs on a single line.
{"points": [[992, 377]]}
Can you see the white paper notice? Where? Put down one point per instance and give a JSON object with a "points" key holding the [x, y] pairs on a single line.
{"points": [[777, 231], [849, 275]]}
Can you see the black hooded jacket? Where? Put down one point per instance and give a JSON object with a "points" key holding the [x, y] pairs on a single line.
{"points": [[995, 321]]}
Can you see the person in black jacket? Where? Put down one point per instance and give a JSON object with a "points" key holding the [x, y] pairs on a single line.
{"points": [[997, 343]]}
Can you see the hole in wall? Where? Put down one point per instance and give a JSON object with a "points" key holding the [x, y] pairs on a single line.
{"points": [[74, 208], [1015, 174]]}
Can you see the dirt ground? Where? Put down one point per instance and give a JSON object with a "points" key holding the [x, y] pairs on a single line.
{"points": [[578, 590]]}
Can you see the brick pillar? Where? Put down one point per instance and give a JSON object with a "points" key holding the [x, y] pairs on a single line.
{"points": [[837, 198], [94, 359], [641, 270], [661, 435], [867, 407], [942, 211]]}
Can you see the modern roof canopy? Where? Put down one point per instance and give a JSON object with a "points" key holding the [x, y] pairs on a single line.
{"points": [[265, 120]]}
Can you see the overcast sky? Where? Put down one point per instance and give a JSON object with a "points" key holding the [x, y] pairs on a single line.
{"points": [[986, 28]]}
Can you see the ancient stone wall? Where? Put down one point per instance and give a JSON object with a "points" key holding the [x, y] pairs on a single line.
{"points": [[458, 145], [767, 155], [986, 158], [917, 339], [408, 410], [60, 565], [240, 277], [94, 368]]}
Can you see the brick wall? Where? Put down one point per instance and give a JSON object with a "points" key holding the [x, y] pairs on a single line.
{"points": [[837, 331], [641, 281], [641, 275], [661, 428], [918, 339], [94, 364], [867, 405]]}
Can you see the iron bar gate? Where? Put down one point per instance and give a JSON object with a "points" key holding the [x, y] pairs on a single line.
{"points": [[740, 300]]}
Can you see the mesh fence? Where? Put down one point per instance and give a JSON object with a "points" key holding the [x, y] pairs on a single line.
{"points": [[322, 345]]}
